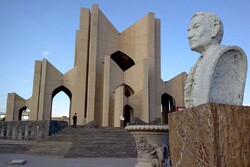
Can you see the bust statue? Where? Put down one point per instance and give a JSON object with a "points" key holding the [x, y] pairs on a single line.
{"points": [[219, 74]]}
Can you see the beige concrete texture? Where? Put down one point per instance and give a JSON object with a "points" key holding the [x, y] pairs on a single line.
{"points": [[175, 88], [116, 75]]}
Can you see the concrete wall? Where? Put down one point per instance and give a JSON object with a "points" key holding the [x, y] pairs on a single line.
{"points": [[175, 88], [103, 41], [29, 130]]}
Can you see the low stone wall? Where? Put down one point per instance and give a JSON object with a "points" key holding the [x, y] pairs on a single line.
{"points": [[29, 130], [56, 126], [210, 135]]}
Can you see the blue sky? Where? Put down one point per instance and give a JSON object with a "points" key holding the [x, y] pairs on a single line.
{"points": [[35, 29]]}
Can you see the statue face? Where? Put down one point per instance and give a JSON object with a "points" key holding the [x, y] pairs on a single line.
{"points": [[199, 33]]}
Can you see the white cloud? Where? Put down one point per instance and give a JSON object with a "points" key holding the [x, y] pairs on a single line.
{"points": [[25, 82], [45, 54]]}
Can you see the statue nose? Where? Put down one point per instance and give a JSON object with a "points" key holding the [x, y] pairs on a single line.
{"points": [[189, 35]]}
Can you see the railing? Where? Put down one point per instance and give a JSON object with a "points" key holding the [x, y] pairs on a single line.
{"points": [[29, 130]]}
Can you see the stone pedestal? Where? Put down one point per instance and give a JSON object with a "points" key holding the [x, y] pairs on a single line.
{"points": [[150, 143], [210, 135]]}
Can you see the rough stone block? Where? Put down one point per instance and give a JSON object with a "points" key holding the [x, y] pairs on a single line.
{"points": [[210, 135], [17, 162]]}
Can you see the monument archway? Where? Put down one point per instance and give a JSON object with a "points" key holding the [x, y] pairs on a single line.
{"points": [[23, 114], [127, 114], [122, 60], [167, 106], [128, 91], [57, 111], [67, 93]]}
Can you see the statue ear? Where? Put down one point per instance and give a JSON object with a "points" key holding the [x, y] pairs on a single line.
{"points": [[216, 28]]}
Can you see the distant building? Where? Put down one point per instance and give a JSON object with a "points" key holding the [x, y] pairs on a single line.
{"points": [[2, 116], [25, 116], [62, 118], [115, 75]]}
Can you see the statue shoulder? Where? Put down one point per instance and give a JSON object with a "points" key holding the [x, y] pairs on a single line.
{"points": [[229, 50], [219, 55], [218, 51], [230, 58], [229, 74]]}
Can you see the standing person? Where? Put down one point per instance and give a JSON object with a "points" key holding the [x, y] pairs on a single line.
{"points": [[74, 120]]}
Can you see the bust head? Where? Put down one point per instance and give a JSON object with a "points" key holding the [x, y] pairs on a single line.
{"points": [[205, 29]]}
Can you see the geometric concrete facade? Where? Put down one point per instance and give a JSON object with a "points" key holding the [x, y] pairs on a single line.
{"points": [[115, 75]]}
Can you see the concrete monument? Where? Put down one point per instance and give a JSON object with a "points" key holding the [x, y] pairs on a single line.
{"points": [[116, 76], [219, 74]]}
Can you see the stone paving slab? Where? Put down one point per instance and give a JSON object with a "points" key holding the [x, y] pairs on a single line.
{"points": [[48, 161], [17, 162], [6, 141]]}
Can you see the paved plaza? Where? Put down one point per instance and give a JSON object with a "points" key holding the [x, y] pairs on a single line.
{"points": [[57, 161], [48, 161]]}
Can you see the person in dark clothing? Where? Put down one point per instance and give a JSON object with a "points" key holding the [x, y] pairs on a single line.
{"points": [[74, 120]]}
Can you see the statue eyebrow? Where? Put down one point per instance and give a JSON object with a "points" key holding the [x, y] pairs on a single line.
{"points": [[196, 24]]}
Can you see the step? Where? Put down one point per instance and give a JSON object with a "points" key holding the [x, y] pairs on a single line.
{"points": [[54, 148], [100, 142], [78, 142], [14, 148]]}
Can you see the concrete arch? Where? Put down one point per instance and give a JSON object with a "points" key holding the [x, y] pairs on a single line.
{"points": [[67, 92], [127, 114], [21, 113], [128, 91], [122, 60], [168, 105], [64, 89]]}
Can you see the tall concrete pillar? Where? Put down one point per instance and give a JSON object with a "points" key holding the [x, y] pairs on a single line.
{"points": [[34, 106], [106, 92], [118, 106], [10, 107], [92, 65], [42, 91]]}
